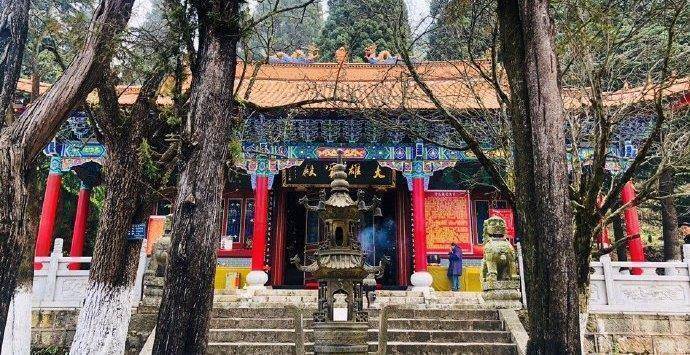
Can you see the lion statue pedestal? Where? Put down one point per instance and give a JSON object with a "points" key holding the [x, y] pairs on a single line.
{"points": [[500, 279]]}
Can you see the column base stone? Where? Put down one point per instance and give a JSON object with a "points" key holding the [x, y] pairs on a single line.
{"points": [[256, 280], [421, 281]]}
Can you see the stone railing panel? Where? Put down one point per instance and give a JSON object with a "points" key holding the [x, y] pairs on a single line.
{"points": [[662, 286], [57, 286]]}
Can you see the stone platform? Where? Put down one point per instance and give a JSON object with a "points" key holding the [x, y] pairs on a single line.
{"points": [[411, 299], [280, 322]]}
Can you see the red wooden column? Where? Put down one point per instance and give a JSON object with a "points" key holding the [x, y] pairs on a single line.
{"points": [[603, 238], [420, 279], [257, 277], [49, 210], [79, 233], [632, 227]]}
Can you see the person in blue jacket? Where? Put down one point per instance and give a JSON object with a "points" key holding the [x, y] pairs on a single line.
{"points": [[455, 266]]}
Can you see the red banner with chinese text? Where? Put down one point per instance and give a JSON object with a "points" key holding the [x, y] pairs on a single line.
{"points": [[447, 216], [507, 215]]}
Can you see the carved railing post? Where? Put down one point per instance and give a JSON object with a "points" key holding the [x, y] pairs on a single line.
{"points": [[53, 266], [383, 329], [608, 278], [299, 329]]}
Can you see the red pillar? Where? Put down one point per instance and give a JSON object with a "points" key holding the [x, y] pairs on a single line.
{"points": [[260, 222], [49, 209], [603, 238], [632, 227], [79, 233], [420, 262]]}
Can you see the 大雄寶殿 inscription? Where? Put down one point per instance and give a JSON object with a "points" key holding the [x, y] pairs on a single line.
{"points": [[447, 215], [359, 174]]}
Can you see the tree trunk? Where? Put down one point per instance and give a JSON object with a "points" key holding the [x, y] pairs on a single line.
{"points": [[537, 121], [104, 319], [35, 80], [23, 140], [619, 238], [17, 337], [669, 216], [14, 25], [184, 315]]}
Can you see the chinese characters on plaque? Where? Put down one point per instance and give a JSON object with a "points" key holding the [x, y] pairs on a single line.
{"points": [[359, 173], [447, 216]]}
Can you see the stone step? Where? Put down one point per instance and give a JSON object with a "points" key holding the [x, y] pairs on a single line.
{"points": [[266, 304], [272, 311], [265, 348], [279, 292], [248, 335], [221, 348], [444, 324], [399, 300], [226, 298], [392, 348], [390, 293], [253, 323], [462, 313], [451, 348], [448, 336], [283, 299], [393, 323], [258, 312]]}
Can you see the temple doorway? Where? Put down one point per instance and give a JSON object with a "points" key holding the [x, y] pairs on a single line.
{"points": [[303, 231]]}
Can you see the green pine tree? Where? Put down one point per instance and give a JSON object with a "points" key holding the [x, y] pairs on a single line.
{"points": [[286, 31], [457, 21], [356, 24]]}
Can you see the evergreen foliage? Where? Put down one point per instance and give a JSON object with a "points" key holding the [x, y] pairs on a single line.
{"points": [[460, 28], [286, 31], [57, 29], [356, 24]]}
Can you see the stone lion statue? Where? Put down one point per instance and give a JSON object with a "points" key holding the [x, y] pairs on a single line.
{"points": [[499, 262]]}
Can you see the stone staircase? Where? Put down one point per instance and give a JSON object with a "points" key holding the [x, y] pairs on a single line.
{"points": [[447, 331], [271, 321]]}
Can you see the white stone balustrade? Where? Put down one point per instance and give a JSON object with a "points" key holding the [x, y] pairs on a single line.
{"points": [[56, 286], [663, 287]]}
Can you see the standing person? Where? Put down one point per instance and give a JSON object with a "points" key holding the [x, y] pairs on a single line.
{"points": [[455, 266]]}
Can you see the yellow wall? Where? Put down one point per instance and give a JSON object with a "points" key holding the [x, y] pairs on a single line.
{"points": [[469, 281], [222, 272]]}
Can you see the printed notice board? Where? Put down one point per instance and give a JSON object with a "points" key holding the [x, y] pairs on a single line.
{"points": [[447, 216]]}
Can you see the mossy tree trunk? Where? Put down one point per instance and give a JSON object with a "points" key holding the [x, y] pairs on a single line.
{"points": [[184, 315], [669, 216], [14, 26], [104, 319], [23, 139]]}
